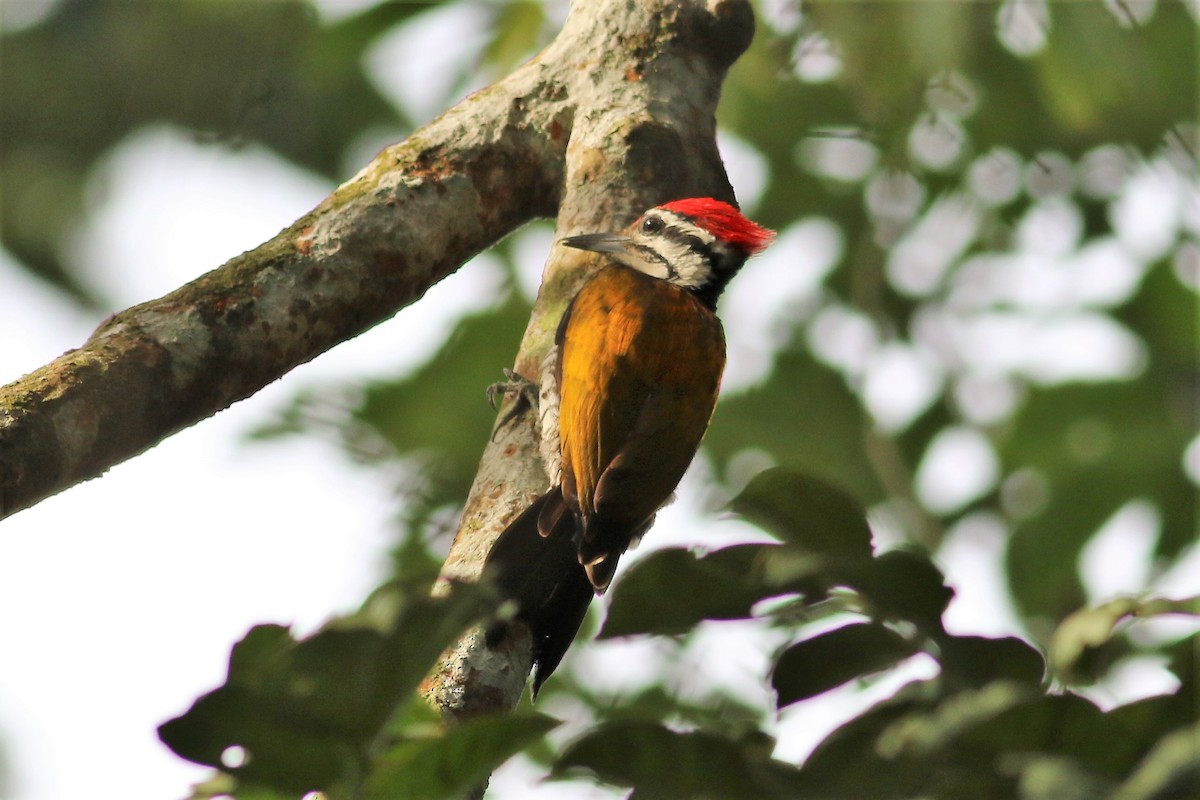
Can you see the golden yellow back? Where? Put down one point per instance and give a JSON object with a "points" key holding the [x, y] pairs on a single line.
{"points": [[640, 362]]}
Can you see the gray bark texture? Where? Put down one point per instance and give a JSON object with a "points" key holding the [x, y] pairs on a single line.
{"points": [[642, 80], [617, 115]]}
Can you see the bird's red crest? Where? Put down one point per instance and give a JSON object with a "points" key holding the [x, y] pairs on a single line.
{"points": [[725, 222]]}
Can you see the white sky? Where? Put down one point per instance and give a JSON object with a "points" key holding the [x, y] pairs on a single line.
{"points": [[182, 542], [184, 539]]}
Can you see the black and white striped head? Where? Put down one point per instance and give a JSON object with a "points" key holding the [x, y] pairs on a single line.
{"points": [[698, 244]]}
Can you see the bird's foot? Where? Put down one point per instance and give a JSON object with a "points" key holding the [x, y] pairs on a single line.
{"points": [[525, 390]]}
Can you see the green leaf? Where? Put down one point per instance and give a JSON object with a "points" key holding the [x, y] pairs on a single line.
{"points": [[410, 413], [1043, 551], [925, 732], [303, 713], [1073, 92], [714, 710], [1169, 770], [456, 760], [280, 742], [245, 72], [806, 512], [1057, 725], [1184, 657], [516, 33], [1094, 69], [848, 762], [222, 786], [978, 660], [899, 585], [1145, 722], [828, 660], [904, 585], [804, 418], [1097, 446], [1083, 646], [1053, 778], [1080, 638], [661, 763], [670, 591]]}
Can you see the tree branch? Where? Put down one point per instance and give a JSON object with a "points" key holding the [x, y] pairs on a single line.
{"points": [[615, 116], [407, 220], [643, 79]]}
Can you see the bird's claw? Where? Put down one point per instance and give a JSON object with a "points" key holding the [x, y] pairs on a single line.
{"points": [[517, 384], [526, 392]]}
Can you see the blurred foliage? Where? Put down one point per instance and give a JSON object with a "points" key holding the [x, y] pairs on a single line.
{"points": [[978, 161], [336, 712], [339, 710], [229, 72]]}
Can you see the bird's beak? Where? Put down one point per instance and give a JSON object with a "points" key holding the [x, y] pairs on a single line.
{"points": [[598, 242]]}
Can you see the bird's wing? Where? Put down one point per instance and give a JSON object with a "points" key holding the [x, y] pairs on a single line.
{"points": [[640, 364]]}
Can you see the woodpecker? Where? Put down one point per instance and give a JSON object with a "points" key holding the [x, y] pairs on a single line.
{"points": [[626, 395]]}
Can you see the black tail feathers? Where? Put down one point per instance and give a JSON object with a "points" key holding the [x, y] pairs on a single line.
{"points": [[603, 542], [542, 573]]}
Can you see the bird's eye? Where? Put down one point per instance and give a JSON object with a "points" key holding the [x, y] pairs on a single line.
{"points": [[652, 225]]}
